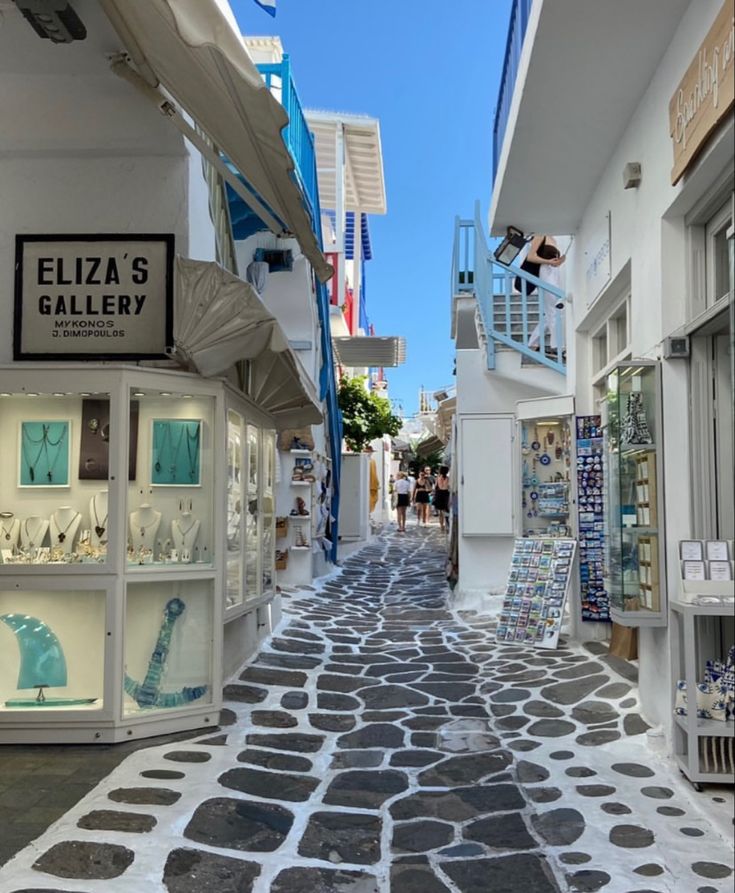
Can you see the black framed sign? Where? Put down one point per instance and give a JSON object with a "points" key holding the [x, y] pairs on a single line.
{"points": [[93, 297]]}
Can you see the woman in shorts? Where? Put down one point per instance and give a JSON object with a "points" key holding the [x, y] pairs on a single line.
{"points": [[403, 498], [421, 493], [441, 495]]}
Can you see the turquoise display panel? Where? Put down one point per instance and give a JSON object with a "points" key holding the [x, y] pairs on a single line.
{"points": [[176, 452], [44, 454]]}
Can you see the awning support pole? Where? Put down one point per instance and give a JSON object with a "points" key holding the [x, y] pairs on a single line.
{"points": [[169, 110]]}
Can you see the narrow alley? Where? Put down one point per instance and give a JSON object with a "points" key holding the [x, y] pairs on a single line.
{"points": [[379, 742]]}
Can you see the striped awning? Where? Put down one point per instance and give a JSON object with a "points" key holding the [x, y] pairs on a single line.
{"points": [[365, 351]]}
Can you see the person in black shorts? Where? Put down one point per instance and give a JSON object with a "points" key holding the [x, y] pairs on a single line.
{"points": [[441, 496], [421, 497], [402, 489]]}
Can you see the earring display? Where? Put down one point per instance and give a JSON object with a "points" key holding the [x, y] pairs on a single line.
{"points": [[42, 662], [176, 452], [149, 693], [94, 446], [44, 454]]}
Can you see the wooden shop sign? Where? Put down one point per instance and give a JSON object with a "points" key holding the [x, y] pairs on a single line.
{"points": [[706, 92], [93, 297]]}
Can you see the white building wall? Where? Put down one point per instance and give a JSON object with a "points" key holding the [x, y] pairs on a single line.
{"points": [[648, 232]]}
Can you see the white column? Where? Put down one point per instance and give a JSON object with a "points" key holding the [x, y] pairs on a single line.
{"points": [[339, 209]]}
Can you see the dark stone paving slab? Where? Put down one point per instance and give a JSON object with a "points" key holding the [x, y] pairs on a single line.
{"points": [[342, 837], [84, 860], [559, 827], [421, 836], [508, 874], [408, 878], [323, 880], [382, 735], [295, 700], [244, 694], [276, 761], [163, 773], [506, 832], [151, 796], [270, 785], [288, 661], [187, 756], [463, 769], [240, 825], [274, 719], [357, 759], [273, 676], [530, 773], [196, 871], [567, 693], [298, 742], [587, 880], [365, 790], [390, 696], [114, 820], [331, 722], [631, 836], [459, 804], [329, 701]]}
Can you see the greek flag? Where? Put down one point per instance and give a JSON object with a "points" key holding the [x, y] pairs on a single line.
{"points": [[268, 5]]}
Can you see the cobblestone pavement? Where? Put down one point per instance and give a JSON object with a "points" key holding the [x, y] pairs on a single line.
{"points": [[381, 744]]}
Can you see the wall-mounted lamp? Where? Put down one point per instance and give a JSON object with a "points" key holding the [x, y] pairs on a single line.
{"points": [[632, 175], [53, 20], [511, 246]]}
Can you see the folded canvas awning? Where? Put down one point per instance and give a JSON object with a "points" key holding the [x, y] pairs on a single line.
{"points": [[358, 351], [194, 49], [219, 319]]}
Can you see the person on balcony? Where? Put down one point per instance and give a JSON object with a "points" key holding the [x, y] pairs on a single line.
{"points": [[545, 252]]}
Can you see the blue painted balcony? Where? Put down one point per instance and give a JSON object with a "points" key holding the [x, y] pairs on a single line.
{"points": [[298, 137], [514, 44], [507, 316]]}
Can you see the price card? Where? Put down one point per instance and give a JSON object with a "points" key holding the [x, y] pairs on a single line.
{"points": [[720, 570], [693, 570], [690, 550], [717, 550]]}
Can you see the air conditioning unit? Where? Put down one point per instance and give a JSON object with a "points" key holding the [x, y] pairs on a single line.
{"points": [[676, 348], [278, 260]]}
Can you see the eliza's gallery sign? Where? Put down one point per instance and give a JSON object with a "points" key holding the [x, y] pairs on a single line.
{"points": [[706, 92], [93, 297]]}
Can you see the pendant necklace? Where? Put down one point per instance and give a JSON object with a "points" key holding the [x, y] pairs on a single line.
{"points": [[52, 465], [99, 527], [8, 533], [27, 439], [62, 533], [192, 451], [184, 533], [165, 435], [31, 538], [144, 527]]}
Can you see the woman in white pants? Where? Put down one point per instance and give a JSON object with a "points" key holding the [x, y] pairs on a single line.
{"points": [[545, 251]]}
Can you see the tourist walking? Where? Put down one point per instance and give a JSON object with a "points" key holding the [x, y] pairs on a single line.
{"points": [[421, 497], [441, 496], [403, 497], [545, 252]]}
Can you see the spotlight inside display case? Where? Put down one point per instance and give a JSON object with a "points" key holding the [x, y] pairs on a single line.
{"points": [[635, 556]]}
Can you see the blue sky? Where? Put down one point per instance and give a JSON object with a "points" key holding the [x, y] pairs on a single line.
{"points": [[429, 70]]}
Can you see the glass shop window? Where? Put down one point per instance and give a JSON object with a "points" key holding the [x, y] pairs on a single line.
{"points": [[235, 532], [54, 478], [717, 254], [170, 480]]}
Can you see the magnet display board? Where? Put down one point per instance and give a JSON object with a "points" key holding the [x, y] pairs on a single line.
{"points": [[538, 583]]}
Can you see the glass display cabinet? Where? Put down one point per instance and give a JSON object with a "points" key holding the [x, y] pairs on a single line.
{"points": [[634, 462], [547, 469], [113, 497]]}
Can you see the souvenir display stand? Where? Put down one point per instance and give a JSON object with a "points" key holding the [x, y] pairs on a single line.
{"points": [[536, 593], [636, 578], [703, 632], [595, 602], [296, 503], [547, 473], [117, 490]]}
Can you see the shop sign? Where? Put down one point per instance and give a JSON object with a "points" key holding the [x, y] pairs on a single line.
{"points": [[93, 297], [597, 255], [706, 92]]}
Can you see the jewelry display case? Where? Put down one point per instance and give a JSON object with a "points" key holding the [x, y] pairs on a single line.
{"points": [[635, 544], [111, 606]]}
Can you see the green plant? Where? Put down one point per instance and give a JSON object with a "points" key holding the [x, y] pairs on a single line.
{"points": [[365, 415]]}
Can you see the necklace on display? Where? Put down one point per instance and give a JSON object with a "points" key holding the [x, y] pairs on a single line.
{"points": [[165, 437], [144, 527], [8, 533], [61, 536], [99, 526], [183, 533], [32, 537], [192, 451]]}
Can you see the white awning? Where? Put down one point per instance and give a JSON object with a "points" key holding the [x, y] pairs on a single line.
{"points": [[219, 319], [359, 351], [194, 49]]}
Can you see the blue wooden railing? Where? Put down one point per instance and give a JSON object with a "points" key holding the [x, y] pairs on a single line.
{"points": [[297, 136], [516, 32], [475, 271]]}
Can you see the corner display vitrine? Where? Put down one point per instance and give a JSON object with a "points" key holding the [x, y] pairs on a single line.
{"points": [[634, 464], [122, 495]]}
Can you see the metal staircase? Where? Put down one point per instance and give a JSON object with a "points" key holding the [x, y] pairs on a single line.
{"points": [[505, 318]]}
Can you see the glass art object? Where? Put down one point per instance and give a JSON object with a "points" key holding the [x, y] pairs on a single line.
{"points": [[148, 693], [42, 662]]}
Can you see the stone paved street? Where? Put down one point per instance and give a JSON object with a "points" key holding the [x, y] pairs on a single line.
{"points": [[381, 744]]}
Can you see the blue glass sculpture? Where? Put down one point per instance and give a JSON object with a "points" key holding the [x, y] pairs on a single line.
{"points": [[42, 661], [148, 693]]}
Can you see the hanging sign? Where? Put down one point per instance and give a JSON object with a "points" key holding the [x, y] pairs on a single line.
{"points": [[597, 257], [93, 297], [706, 92]]}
